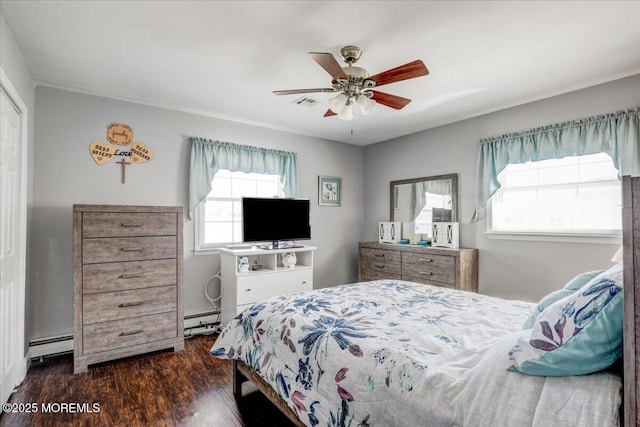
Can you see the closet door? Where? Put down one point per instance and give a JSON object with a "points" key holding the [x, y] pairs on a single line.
{"points": [[11, 276]]}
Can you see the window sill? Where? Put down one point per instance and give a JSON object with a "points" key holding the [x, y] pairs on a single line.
{"points": [[603, 239], [206, 251]]}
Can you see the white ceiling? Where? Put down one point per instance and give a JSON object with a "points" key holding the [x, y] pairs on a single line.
{"points": [[223, 59]]}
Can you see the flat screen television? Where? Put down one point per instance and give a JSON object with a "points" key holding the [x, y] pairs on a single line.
{"points": [[275, 220]]}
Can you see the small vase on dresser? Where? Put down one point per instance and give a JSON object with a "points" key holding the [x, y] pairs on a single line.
{"points": [[127, 280], [450, 268]]}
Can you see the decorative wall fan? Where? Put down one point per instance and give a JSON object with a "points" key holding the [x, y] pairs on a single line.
{"points": [[355, 86]]}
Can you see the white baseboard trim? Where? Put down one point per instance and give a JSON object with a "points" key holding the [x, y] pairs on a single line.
{"points": [[50, 346], [196, 320]]}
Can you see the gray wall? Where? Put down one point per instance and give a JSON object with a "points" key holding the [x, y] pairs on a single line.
{"points": [[62, 173], [65, 174], [15, 68], [512, 269]]}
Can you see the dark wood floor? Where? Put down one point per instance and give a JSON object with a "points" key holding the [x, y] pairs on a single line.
{"points": [[189, 388]]}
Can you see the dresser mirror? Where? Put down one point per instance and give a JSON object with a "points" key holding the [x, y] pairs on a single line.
{"points": [[419, 202]]}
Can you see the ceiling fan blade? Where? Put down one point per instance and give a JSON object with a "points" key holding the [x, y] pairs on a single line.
{"points": [[329, 63], [403, 72], [296, 91], [329, 113], [389, 100]]}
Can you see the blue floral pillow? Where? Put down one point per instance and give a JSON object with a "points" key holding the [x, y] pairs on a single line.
{"points": [[578, 334], [573, 285]]}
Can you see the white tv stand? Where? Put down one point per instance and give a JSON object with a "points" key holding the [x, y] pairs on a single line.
{"points": [[241, 290]]}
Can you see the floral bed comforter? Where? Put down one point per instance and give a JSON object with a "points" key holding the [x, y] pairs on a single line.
{"points": [[395, 353]]}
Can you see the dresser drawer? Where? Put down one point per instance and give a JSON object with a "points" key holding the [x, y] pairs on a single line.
{"points": [[120, 276], [124, 333], [123, 224], [439, 268], [430, 282], [380, 255], [380, 266], [254, 288], [127, 249], [367, 275], [124, 304]]}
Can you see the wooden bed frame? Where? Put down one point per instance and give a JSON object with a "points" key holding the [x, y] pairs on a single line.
{"points": [[631, 258], [631, 359], [243, 372]]}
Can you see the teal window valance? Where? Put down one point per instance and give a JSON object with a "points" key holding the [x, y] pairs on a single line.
{"points": [[616, 134], [208, 156]]}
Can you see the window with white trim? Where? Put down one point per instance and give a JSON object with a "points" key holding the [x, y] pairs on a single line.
{"points": [[570, 196], [218, 218]]}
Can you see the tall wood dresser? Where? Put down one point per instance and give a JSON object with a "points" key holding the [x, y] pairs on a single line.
{"points": [[127, 281], [450, 268]]}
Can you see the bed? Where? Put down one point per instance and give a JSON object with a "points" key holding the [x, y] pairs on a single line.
{"points": [[395, 353]]}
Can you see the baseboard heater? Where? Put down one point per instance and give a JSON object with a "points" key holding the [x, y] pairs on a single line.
{"points": [[198, 323]]}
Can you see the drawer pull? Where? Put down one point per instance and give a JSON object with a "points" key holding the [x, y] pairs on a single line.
{"points": [[426, 273], [136, 249], [379, 255], [248, 290], [130, 276], [130, 304], [426, 260], [126, 334], [379, 266], [122, 224]]}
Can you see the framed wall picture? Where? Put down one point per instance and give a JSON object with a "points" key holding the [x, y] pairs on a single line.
{"points": [[329, 191]]}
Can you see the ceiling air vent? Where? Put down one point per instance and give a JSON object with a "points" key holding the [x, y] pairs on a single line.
{"points": [[306, 101]]}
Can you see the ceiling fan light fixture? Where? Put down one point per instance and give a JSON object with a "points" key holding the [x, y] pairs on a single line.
{"points": [[353, 84], [366, 104], [338, 103], [346, 113]]}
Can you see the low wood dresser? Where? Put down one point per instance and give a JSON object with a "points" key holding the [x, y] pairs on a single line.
{"points": [[451, 268]]}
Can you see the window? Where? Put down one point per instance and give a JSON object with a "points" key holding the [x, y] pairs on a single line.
{"points": [[570, 196], [219, 216]]}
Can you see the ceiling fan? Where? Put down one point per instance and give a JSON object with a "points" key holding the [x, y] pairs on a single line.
{"points": [[355, 86]]}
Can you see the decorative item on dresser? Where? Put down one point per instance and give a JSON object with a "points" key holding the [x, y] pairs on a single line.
{"points": [[127, 281], [446, 234], [389, 232], [451, 268]]}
